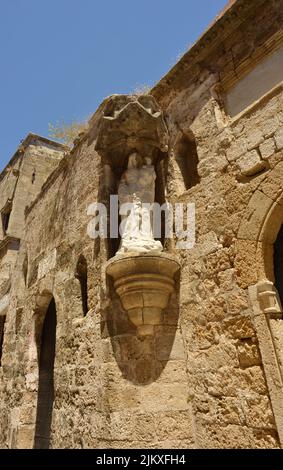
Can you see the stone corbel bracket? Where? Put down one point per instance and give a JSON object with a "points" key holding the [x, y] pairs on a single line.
{"points": [[131, 124], [144, 284], [269, 300]]}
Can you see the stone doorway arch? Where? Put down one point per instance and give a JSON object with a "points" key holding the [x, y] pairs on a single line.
{"points": [[46, 345], [256, 238]]}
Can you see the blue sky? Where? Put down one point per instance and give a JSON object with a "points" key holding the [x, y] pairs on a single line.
{"points": [[60, 58]]}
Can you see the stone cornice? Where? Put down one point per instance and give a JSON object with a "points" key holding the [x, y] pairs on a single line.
{"points": [[187, 66]]}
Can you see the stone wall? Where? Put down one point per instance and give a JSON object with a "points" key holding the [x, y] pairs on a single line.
{"points": [[232, 407], [39, 160], [20, 183], [199, 381]]}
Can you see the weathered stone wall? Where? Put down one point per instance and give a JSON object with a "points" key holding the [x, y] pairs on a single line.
{"points": [[20, 183], [8, 182], [40, 159], [62, 224], [232, 407], [199, 381]]}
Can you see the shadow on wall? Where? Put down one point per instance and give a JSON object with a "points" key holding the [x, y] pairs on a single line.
{"points": [[141, 359]]}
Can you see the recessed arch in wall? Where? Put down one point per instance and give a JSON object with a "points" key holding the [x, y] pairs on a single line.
{"points": [[186, 158], [259, 249], [46, 346], [81, 273]]}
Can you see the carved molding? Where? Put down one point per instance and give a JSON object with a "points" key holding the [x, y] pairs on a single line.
{"points": [[131, 124], [144, 284], [268, 320]]}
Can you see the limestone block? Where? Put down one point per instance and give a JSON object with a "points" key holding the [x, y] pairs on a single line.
{"points": [[145, 427], [248, 354], [27, 415], [265, 439], [25, 437], [236, 302], [279, 139], [215, 308], [229, 411], [250, 163], [177, 351], [31, 381], [219, 261], [174, 371], [179, 444], [275, 159], [253, 378], [209, 243], [135, 348], [174, 425], [259, 205], [238, 128], [188, 291], [4, 304], [225, 138], [244, 263], [267, 148], [273, 185], [164, 397], [270, 126], [229, 382], [126, 398], [239, 327], [217, 356], [205, 336], [227, 279], [255, 139], [258, 412], [237, 149], [212, 165], [214, 436], [268, 235]]}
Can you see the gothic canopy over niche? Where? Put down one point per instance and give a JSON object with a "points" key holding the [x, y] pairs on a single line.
{"points": [[133, 140], [131, 124]]}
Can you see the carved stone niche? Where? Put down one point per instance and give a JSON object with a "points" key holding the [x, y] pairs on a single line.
{"points": [[132, 140]]}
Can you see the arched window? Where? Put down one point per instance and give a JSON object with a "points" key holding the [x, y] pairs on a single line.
{"points": [[45, 400], [187, 160], [278, 263], [81, 275]]}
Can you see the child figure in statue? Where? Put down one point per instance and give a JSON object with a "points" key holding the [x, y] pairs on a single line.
{"points": [[136, 193]]}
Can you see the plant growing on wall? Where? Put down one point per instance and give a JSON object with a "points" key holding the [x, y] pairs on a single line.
{"points": [[66, 133]]}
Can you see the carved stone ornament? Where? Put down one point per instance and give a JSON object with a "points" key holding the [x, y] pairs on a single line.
{"points": [[144, 284], [131, 124], [132, 139]]}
